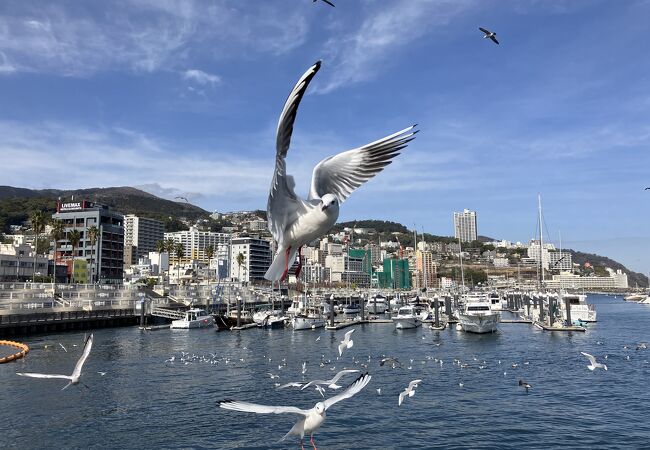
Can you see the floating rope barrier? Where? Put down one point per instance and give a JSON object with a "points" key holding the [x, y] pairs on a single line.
{"points": [[23, 351]]}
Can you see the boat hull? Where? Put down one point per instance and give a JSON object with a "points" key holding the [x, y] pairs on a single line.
{"points": [[201, 322], [403, 323], [480, 324], [307, 323]]}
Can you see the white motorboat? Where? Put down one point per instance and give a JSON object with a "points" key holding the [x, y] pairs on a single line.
{"points": [[409, 316], [580, 309], [635, 297], [495, 302], [351, 309], [478, 316], [194, 318], [308, 322], [378, 304], [261, 316]]}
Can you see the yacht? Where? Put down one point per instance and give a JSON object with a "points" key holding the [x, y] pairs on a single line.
{"points": [[635, 297], [477, 316], [495, 302], [580, 309], [263, 313], [351, 309], [378, 304], [194, 318], [409, 316], [307, 322]]}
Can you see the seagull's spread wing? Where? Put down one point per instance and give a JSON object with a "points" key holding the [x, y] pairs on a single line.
{"points": [[591, 358], [342, 345], [413, 384], [341, 174], [43, 375], [316, 382], [484, 30], [494, 39], [354, 388], [348, 335], [402, 394], [261, 409], [84, 356], [283, 205], [329, 3], [341, 373]]}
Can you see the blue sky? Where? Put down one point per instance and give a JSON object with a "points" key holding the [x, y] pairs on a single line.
{"points": [[183, 97]]}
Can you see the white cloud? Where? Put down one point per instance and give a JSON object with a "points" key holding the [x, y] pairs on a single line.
{"points": [[141, 36], [357, 56], [201, 77]]}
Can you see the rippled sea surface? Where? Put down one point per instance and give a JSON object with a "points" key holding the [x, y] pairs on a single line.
{"points": [[144, 402]]}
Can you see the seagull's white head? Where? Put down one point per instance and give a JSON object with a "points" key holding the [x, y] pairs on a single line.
{"points": [[320, 408], [329, 202]]}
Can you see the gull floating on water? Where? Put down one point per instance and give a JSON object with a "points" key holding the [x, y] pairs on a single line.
{"points": [[76, 373], [489, 34], [347, 342], [410, 391], [592, 362], [332, 382], [310, 419], [294, 221], [524, 385]]}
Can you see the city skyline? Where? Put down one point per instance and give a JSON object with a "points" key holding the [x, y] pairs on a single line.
{"points": [[182, 99]]}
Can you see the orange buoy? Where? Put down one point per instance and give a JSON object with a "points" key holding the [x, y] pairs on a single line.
{"points": [[24, 349]]}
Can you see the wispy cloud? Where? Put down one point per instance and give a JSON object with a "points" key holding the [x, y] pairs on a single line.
{"points": [[356, 56], [201, 77], [141, 36]]}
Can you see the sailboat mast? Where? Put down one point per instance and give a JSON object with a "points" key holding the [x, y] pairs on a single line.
{"points": [[541, 241], [460, 255]]}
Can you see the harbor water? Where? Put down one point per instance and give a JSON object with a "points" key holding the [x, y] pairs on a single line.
{"points": [[138, 399]]}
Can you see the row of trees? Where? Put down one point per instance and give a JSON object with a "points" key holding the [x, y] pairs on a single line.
{"points": [[39, 221]]}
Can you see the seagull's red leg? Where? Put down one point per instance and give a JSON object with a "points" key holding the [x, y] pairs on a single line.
{"points": [[299, 268], [286, 264], [302, 447], [312, 442]]}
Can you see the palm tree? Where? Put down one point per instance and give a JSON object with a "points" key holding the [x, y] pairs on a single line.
{"points": [[209, 252], [93, 234], [179, 248], [240, 260], [37, 220], [161, 246], [74, 237], [57, 233], [170, 247]]}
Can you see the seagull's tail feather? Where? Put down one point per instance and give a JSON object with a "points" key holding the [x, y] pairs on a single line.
{"points": [[275, 271], [298, 430]]}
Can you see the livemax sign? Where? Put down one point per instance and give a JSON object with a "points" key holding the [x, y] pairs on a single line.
{"points": [[73, 206]]}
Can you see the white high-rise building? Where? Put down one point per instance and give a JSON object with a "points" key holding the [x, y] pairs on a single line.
{"points": [[140, 237], [256, 257], [195, 243], [465, 226]]}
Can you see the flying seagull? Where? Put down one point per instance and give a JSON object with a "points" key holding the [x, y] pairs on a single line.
{"points": [[592, 362], [310, 419], [646, 188], [294, 221], [489, 34], [524, 385], [410, 391], [347, 342], [182, 198], [332, 382], [325, 1], [76, 374]]}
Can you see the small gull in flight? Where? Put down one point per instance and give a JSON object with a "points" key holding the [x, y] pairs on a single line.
{"points": [[489, 34], [592, 362], [76, 373], [347, 342], [332, 382], [293, 221], [325, 1], [310, 419], [410, 391]]}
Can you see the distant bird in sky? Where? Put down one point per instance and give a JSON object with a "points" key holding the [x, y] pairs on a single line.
{"points": [[409, 391], [331, 383], [325, 1], [646, 188], [524, 385], [294, 221], [183, 198], [489, 34], [310, 419], [592, 362], [76, 373], [320, 390], [347, 342]]}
